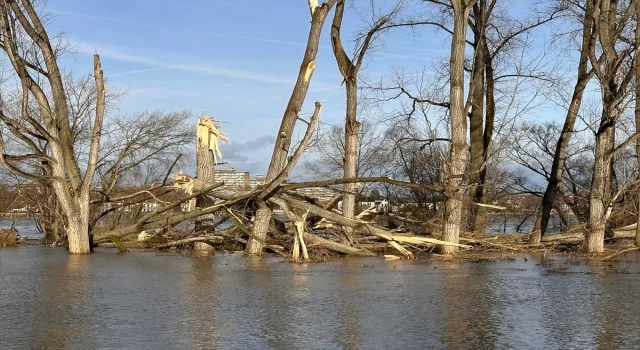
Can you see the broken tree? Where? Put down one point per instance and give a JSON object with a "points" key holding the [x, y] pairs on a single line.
{"points": [[285, 133], [207, 151]]}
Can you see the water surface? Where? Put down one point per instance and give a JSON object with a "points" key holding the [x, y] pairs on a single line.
{"points": [[49, 300]]}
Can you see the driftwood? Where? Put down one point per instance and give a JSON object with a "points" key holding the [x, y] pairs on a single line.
{"points": [[563, 236], [620, 252], [335, 246], [363, 226], [405, 219], [226, 198], [578, 236], [212, 239], [486, 242], [140, 225]]}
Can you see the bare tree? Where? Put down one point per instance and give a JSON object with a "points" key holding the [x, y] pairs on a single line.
{"points": [[585, 12], [138, 151], [328, 153], [349, 69], [454, 169], [285, 133], [38, 72], [614, 74]]}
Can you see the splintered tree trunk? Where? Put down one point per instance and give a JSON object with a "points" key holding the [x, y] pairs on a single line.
{"points": [[352, 128], [285, 133], [599, 198], [560, 155], [205, 172], [454, 170]]}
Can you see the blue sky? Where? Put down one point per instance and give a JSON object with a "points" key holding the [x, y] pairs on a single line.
{"points": [[235, 60]]}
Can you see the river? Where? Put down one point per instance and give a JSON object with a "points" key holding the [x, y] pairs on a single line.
{"points": [[50, 300]]}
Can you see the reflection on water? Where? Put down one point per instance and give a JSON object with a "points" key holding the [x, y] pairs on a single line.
{"points": [[49, 300], [524, 224]]}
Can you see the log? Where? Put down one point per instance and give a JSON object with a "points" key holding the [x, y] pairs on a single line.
{"points": [[335, 246], [213, 239], [563, 236], [620, 252], [405, 219], [628, 231], [230, 198]]}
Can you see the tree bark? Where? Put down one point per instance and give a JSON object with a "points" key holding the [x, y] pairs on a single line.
{"points": [[560, 155], [285, 133], [77, 213], [455, 168], [352, 129], [600, 195]]}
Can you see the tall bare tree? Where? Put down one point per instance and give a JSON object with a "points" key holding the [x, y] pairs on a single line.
{"points": [[455, 168], [349, 69], [615, 74], [585, 12], [285, 133], [37, 71]]}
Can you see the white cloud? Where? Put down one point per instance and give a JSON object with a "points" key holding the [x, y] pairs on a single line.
{"points": [[125, 55], [151, 25]]}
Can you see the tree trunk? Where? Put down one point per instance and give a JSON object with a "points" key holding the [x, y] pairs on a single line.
{"points": [[476, 119], [205, 171], [285, 133], [78, 226], [454, 170], [599, 198], [490, 115], [352, 129], [560, 155]]}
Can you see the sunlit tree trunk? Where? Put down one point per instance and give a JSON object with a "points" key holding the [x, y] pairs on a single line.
{"points": [[352, 129], [455, 168], [600, 196]]}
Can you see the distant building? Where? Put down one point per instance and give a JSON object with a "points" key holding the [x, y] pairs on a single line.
{"points": [[257, 181], [237, 180], [320, 193]]}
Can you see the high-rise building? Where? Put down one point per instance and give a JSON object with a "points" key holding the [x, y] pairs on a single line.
{"points": [[238, 180]]}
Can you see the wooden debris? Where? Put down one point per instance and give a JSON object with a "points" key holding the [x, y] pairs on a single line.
{"points": [[620, 252]]}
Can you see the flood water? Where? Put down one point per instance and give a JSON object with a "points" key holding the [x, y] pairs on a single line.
{"points": [[49, 300]]}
